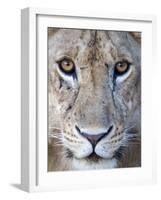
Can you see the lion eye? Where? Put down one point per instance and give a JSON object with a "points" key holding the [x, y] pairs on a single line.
{"points": [[121, 68], [67, 66]]}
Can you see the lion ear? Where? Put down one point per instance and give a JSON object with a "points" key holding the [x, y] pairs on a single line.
{"points": [[52, 31], [136, 36]]}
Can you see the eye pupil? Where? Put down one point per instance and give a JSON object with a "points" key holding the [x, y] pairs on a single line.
{"points": [[121, 67], [67, 66]]}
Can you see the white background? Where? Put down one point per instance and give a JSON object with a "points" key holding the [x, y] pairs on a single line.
{"points": [[10, 98]]}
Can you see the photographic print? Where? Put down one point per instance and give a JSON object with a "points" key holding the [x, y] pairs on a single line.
{"points": [[94, 99]]}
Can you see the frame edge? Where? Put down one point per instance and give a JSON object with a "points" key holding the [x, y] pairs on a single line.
{"points": [[28, 100], [25, 99]]}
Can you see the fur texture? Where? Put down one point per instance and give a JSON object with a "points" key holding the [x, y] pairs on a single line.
{"points": [[96, 101]]}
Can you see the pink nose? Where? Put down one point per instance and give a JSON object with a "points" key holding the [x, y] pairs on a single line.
{"points": [[94, 139]]}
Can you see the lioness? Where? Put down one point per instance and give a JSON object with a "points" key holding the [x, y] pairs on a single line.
{"points": [[94, 96]]}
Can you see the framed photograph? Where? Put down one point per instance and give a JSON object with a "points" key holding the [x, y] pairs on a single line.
{"points": [[86, 99]]}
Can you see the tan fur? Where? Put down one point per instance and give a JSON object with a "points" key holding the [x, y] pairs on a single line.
{"points": [[93, 102]]}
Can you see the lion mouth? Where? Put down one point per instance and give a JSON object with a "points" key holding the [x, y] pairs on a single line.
{"points": [[93, 157], [118, 154]]}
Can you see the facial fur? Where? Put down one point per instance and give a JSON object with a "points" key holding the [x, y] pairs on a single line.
{"points": [[94, 113]]}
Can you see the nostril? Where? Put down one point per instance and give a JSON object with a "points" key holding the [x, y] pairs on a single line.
{"points": [[110, 129], [94, 138], [79, 131]]}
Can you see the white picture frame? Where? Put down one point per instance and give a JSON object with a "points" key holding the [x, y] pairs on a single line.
{"points": [[34, 176]]}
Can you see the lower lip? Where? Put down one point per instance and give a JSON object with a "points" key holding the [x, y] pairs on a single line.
{"points": [[93, 157]]}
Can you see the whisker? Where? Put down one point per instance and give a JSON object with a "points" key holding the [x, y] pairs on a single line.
{"points": [[58, 142], [131, 135], [54, 127], [130, 143], [129, 127], [60, 153], [54, 136], [58, 145], [120, 153]]}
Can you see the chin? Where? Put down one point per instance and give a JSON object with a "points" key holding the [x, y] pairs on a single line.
{"points": [[93, 162]]}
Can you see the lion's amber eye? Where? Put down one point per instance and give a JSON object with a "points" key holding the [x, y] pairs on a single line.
{"points": [[121, 67], [67, 66]]}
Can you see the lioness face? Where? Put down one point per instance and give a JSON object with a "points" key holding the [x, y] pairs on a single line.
{"points": [[94, 92]]}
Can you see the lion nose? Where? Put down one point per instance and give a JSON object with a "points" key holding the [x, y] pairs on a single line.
{"points": [[94, 138]]}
